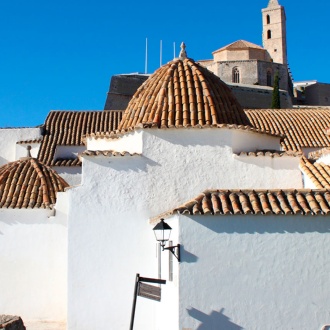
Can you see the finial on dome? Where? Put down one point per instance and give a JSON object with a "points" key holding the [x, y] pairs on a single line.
{"points": [[28, 153], [183, 53]]}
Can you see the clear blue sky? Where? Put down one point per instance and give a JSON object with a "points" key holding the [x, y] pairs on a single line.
{"points": [[60, 55]]}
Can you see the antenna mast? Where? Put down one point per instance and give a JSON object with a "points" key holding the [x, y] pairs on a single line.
{"points": [[146, 60]]}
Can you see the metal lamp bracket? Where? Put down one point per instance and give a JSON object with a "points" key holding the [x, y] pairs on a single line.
{"points": [[175, 250]]}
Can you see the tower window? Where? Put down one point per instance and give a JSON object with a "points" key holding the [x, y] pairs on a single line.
{"points": [[269, 34], [236, 75], [269, 78], [268, 19]]}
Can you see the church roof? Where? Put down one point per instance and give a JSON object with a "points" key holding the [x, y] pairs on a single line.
{"points": [[239, 45], [68, 127], [303, 128], [27, 183], [266, 202], [318, 173], [182, 93]]}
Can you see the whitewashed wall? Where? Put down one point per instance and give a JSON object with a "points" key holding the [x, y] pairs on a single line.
{"points": [[33, 263], [8, 139], [21, 150], [110, 239], [254, 272], [71, 174]]}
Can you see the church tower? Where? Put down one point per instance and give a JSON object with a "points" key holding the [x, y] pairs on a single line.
{"points": [[274, 31]]}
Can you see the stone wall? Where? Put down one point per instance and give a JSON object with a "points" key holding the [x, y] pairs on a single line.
{"points": [[258, 97], [121, 90]]}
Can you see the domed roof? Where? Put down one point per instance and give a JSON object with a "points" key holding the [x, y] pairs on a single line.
{"points": [[182, 93], [27, 183]]}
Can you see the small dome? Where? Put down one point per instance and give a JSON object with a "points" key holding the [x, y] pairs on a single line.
{"points": [[27, 183], [183, 94]]}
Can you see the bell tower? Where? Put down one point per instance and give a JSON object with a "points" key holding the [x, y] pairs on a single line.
{"points": [[274, 31]]}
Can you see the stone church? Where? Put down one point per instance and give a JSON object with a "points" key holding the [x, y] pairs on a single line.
{"points": [[244, 194]]}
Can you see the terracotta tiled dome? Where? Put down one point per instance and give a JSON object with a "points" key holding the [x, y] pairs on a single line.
{"points": [[183, 94], [27, 183]]}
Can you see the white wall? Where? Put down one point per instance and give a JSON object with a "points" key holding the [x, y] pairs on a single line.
{"points": [[254, 272], [33, 263], [68, 151], [71, 174], [8, 139], [21, 150], [110, 239]]}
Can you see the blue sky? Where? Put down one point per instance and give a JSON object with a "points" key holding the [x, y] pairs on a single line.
{"points": [[60, 55]]}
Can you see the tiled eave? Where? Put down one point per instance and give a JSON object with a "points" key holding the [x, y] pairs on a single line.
{"points": [[318, 173], [116, 134], [272, 154], [106, 153], [30, 141], [319, 153], [255, 202], [66, 162]]}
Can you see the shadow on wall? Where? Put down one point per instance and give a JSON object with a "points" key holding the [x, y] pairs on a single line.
{"points": [[186, 256], [214, 321], [242, 224], [135, 163]]}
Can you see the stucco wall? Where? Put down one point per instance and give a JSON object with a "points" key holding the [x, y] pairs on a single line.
{"points": [[8, 139], [33, 263], [252, 272], [110, 239]]}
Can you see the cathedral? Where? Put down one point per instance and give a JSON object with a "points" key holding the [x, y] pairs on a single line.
{"points": [[221, 209]]}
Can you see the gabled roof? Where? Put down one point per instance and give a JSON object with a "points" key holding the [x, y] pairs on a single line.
{"points": [[318, 173], [27, 183], [303, 128], [247, 202], [239, 45], [68, 127]]}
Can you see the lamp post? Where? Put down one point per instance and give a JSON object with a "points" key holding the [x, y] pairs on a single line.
{"points": [[162, 233]]}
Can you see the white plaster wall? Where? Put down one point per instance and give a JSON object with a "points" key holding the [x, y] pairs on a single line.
{"points": [[167, 313], [110, 239], [67, 151], [8, 139], [324, 159], [33, 263], [131, 142], [254, 272], [21, 150], [71, 174], [252, 141]]}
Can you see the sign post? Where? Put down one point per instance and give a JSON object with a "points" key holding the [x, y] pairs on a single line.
{"points": [[145, 290]]}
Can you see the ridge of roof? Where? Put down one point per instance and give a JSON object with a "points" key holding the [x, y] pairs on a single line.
{"points": [[28, 183], [255, 202], [237, 45]]}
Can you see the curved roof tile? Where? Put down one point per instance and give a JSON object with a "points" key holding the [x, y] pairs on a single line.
{"points": [[27, 183], [68, 127], [246, 202], [303, 128], [183, 94]]}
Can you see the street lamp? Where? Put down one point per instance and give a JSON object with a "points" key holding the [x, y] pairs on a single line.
{"points": [[162, 233]]}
